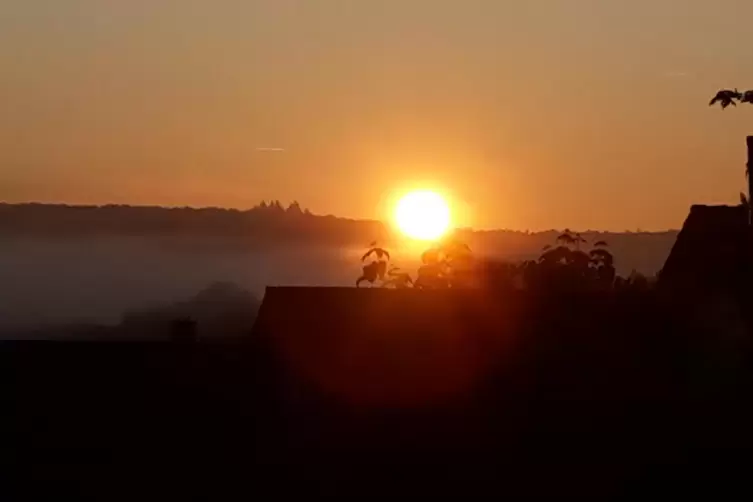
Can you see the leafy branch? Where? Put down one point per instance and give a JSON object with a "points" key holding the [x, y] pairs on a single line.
{"points": [[727, 97]]}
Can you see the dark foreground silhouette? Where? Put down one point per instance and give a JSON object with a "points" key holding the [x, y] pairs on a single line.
{"points": [[397, 393]]}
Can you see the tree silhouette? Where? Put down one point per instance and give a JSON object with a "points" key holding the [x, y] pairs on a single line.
{"points": [[566, 238], [569, 238], [559, 267], [567, 266], [294, 208]]}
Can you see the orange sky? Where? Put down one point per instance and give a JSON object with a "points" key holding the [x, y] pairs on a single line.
{"points": [[532, 115]]}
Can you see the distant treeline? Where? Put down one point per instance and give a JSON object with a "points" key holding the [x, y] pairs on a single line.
{"points": [[266, 222]]}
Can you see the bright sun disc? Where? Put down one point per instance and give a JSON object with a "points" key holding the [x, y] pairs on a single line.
{"points": [[423, 215]]}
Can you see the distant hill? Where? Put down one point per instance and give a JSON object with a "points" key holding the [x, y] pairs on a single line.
{"points": [[271, 224], [267, 223]]}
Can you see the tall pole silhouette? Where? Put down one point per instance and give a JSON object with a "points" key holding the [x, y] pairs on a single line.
{"points": [[748, 169]]}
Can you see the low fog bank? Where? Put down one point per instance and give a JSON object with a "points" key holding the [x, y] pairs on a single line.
{"points": [[48, 282]]}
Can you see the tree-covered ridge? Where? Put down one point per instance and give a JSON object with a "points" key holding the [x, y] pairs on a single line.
{"points": [[269, 221]]}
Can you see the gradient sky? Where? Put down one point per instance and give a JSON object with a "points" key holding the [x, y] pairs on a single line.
{"points": [[530, 114]]}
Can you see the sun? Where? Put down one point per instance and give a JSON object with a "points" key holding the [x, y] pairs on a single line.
{"points": [[423, 215]]}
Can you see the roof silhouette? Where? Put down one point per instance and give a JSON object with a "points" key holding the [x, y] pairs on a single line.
{"points": [[386, 347], [713, 250]]}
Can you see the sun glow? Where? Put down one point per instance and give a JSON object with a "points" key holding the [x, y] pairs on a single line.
{"points": [[423, 215]]}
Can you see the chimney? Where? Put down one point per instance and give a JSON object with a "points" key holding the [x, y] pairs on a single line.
{"points": [[749, 173]]}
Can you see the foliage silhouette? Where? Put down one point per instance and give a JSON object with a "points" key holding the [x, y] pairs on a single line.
{"points": [[450, 263], [378, 251], [726, 97], [564, 266], [566, 238], [569, 238], [372, 272], [447, 264], [398, 279], [377, 269]]}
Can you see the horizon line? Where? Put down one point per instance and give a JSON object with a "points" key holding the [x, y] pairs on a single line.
{"points": [[637, 230]]}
